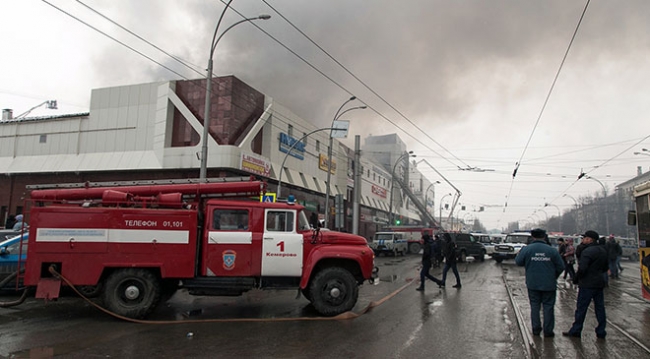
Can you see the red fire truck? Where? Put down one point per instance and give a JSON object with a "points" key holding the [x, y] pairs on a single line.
{"points": [[132, 244]]}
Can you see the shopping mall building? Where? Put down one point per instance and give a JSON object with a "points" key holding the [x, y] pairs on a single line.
{"points": [[153, 131]]}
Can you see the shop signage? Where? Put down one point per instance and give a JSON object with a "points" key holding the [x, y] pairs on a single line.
{"points": [[255, 165], [298, 150], [322, 163], [379, 191]]}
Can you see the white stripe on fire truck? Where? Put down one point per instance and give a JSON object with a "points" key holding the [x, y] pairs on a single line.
{"points": [[231, 237], [99, 235]]}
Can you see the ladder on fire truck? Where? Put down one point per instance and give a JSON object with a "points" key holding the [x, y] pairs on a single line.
{"points": [[165, 191], [425, 216], [140, 182]]}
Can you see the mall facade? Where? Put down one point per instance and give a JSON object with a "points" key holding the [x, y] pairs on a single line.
{"points": [[153, 131]]}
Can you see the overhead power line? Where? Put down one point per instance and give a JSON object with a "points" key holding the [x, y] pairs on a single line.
{"points": [[363, 82]]}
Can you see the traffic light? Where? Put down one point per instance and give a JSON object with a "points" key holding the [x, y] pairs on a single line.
{"points": [[398, 222]]}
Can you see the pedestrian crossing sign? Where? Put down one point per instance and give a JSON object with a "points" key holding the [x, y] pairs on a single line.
{"points": [[268, 198]]}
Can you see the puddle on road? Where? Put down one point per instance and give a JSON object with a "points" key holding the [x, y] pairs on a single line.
{"points": [[44, 352]]}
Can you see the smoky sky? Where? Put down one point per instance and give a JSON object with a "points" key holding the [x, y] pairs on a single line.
{"points": [[412, 53]]}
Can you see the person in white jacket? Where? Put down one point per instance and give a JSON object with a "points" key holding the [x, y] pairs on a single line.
{"points": [[19, 223]]}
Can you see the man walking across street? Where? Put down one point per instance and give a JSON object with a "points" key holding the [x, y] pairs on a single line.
{"points": [[543, 266], [591, 267], [427, 259], [449, 251]]}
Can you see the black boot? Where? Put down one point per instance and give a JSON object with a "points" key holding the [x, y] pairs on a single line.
{"points": [[420, 288]]}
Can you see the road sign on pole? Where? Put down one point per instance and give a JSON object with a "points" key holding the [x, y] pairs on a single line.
{"points": [[340, 128], [268, 198]]}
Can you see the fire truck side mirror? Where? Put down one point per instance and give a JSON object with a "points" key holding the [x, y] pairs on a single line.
{"points": [[314, 235]]}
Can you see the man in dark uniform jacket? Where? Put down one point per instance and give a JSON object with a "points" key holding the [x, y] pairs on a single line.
{"points": [[427, 259], [593, 263]]}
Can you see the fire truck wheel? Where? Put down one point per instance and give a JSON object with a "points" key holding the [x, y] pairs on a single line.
{"points": [[415, 248], [334, 291], [132, 292]]}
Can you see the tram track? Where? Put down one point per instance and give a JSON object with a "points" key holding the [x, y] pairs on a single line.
{"points": [[533, 351]]}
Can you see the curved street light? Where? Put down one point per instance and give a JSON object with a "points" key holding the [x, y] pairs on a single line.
{"points": [[545, 214], [577, 212], [574, 200], [329, 155], [293, 145], [604, 198], [392, 184], [426, 193], [208, 91], [539, 218], [559, 215], [441, 200]]}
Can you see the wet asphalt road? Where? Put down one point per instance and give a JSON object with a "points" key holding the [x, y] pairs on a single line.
{"points": [[476, 321]]}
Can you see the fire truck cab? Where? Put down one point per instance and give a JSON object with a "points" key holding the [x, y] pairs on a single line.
{"points": [[131, 245]]}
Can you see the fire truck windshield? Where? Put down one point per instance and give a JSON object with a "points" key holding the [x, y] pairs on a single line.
{"points": [[303, 222]]}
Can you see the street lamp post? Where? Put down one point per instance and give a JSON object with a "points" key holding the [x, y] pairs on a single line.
{"points": [[392, 184], [293, 145], [577, 219], [604, 200], [574, 200], [441, 200], [329, 155], [461, 208], [545, 215], [206, 116], [426, 193], [559, 215], [465, 221]]}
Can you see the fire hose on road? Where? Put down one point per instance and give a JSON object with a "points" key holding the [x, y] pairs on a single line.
{"points": [[22, 297], [342, 316]]}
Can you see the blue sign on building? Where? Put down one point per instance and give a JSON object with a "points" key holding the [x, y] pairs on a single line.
{"points": [[298, 150]]}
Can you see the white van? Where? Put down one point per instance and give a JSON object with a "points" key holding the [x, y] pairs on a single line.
{"points": [[630, 248], [389, 242]]}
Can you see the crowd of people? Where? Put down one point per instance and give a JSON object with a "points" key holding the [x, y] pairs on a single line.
{"points": [[436, 250]]}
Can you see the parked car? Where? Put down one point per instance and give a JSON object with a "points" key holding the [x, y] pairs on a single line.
{"points": [[512, 244], [10, 252], [497, 238], [7, 233], [487, 242], [467, 244], [389, 242], [630, 247]]}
